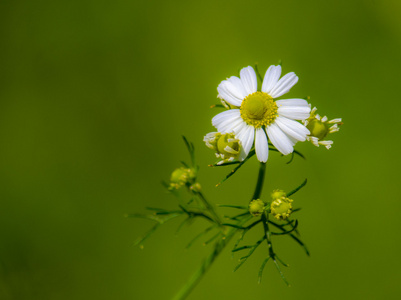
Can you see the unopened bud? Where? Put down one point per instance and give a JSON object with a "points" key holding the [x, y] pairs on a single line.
{"points": [[281, 208], [277, 194], [256, 207], [181, 176], [196, 187]]}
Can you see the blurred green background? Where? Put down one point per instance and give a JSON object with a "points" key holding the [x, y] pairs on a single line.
{"points": [[94, 96]]}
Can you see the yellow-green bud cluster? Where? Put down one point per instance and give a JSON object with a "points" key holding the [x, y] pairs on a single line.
{"points": [[320, 127], [257, 207], [181, 177], [226, 146], [281, 206]]}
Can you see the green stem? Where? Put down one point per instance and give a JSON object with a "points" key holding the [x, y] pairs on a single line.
{"points": [[259, 183], [265, 220], [222, 243], [207, 263]]}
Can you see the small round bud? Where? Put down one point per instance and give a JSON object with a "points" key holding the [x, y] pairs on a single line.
{"points": [[281, 208], [181, 176], [277, 194], [256, 207], [196, 187]]}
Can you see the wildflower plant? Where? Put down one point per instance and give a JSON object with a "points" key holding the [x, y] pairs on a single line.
{"points": [[253, 123]]}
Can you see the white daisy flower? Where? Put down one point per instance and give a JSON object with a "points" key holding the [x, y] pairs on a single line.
{"points": [[257, 114]]}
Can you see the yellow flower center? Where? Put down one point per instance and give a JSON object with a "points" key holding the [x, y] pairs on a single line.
{"points": [[258, 109]]}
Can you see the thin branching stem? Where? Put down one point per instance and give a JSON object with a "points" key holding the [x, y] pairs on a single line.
{"points": [[210, 208], [207, 263], [222, 243]]}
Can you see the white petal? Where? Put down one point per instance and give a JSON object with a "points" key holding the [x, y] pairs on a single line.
{"points": [[246, 136], [284, 85], [292, 128], [237, 126], [225, 118], [261, 146], [292, 102], [238, 84], [338, 120], [229, 127], [271, 78], [231, 92], [279, 139], [294, 112], [249, 81]]}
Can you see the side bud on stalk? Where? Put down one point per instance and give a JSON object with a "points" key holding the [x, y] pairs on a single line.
{"points": [[226, 146], [281, 207], [257, 207], [320, 127], [182, 176]]}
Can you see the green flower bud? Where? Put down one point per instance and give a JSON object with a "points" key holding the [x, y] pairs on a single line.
{"points": [[281, 208], [278, 194], [257, 207], [181, 176], [196, 187]]}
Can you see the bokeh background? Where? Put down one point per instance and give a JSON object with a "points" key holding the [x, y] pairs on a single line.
{"points": [[94, 96]]}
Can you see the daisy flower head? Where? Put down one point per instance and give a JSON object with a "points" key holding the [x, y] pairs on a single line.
{"points": [[255, 116]]}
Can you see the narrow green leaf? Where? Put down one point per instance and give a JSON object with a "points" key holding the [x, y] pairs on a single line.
{"points": [[242, 248], [211, 239], [142, 216], [141, 239], [292, 236], [262, 267], [184, 164], [233, 225], [283, 263], [298, 188], [291, 159], [300, 154], [286, 232], [233, 206], [252, 153], [241, 237], [272, 148], [244, 259], [199, 235], [191, 150], [185, 221], [281, 273]]}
